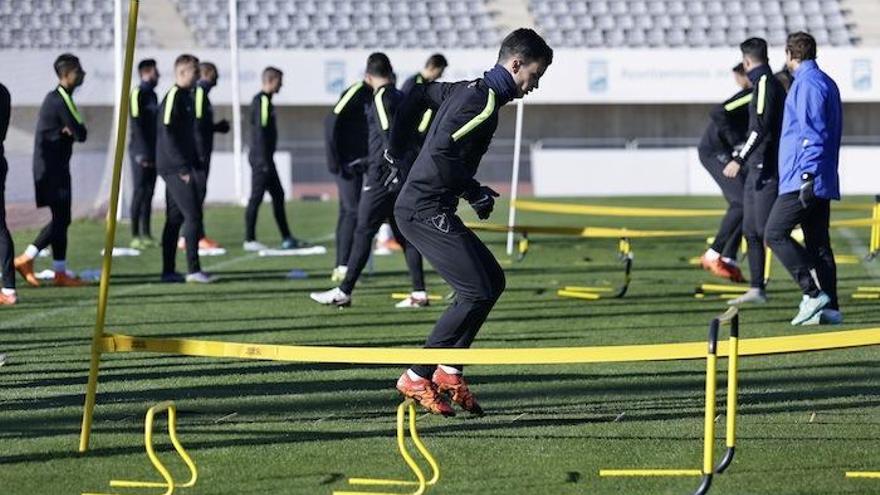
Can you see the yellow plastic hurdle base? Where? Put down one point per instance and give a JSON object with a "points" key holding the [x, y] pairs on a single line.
{"points": [[169, 485], [403, 295], [863, 474], [625, 255], [867, 293], [421, 482], [638, 473]]}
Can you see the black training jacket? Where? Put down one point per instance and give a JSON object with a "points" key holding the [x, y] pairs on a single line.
{"points": [[143, 109], [264, 130], [761, 149], [53, 149], [421, 129], [380, 117], [727, 127], [345, 128], [175, 137], [205, 125]]}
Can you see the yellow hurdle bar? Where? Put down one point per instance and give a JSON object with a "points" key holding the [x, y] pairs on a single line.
{"points": [[404, 295], [573, 294], [421, 482], [863, 474], [589, 232], [868, 289], [577, 288], [642, 473], [168, 484]]}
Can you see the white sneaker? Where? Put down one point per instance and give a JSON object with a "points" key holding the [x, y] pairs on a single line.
{"points": [[752, 296], [413, 302], [334, 297], [809, 307], [199, 278], [2, 359], [253, 246], [339, 273], [825, 317], [382, 251]]}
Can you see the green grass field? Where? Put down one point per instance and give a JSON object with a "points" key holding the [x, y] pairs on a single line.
{"points": [[265, 427]]}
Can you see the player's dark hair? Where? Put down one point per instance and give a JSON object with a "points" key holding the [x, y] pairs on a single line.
{"points": [[65, 63], [186, 59], [739, 69], [146, 65], [207, 70], [437, 60], [801, 46], [755, 49], [379, 65], [271, 74], [526, 44]]}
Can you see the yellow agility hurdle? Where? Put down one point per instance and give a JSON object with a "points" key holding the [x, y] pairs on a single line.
{"points": [[404, 295], [406, 408], [168, 484], [709, 468], [625, 256], [866, 293]]}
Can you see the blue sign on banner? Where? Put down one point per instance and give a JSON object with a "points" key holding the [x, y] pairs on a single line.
{"points": [[861, 74], [334, 76], [597, 76]]}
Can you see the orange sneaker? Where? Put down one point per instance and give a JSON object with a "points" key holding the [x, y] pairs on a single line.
{"points": [[721, 269], [208, 243], [425, 393], [10, 300], [64, 280], [25, 267], [457, 386]]}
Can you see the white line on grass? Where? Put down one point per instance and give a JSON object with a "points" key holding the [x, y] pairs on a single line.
{"points": [[861, 250]]}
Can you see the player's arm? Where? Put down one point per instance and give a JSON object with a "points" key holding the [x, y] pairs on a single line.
{"points": [[72, 123], [724, 116], [759, 122], [262, 116], [418, 100], [173, 120]]}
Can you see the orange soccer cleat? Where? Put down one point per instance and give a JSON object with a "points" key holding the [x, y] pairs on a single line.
{"points": [[25, 267], [64, 280], [425, 393], [208, 243], [457, 386], [721, 269]]}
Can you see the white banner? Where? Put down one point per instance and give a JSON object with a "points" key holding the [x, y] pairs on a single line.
{"points": [[317, 77]]}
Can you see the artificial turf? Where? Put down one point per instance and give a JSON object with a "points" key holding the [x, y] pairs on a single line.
{"points": [[281, 428]]}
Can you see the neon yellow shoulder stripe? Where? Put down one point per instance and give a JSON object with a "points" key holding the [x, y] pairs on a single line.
{"points": [[135, 106], [762, 93], [169, 104], [70, 105], [743, 100], [380, 109], [426, 120], [474, 122], [200, 102], [264, 110], [349, 94]]}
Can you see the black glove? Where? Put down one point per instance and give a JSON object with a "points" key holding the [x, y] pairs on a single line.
{"points": [[483, 202], [390, 173], [806, 194], [222, 127]]}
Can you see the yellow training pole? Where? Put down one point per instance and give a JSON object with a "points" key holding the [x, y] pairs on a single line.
{"points": [[110, 236], [768, 261], [709, 430], [875, 230]]}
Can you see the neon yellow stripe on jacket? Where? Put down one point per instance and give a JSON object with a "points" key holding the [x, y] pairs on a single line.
{"points": [[135, 106], [762, 93], [71, 106], [426, 120], [347, 97], [200, 101], [380, 109], [743, 100], [264, 110], [474, 122], [169, 104]]}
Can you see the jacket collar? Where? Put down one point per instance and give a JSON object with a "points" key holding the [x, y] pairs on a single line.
{"points": [[757, 72]]}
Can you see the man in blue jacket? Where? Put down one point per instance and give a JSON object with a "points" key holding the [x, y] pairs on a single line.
{"points": [[808, 155]]}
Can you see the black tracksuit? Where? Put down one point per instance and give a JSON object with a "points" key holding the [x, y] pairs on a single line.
{"points": [[7, 249], [346, 135], [205, 130], [142, 151], [176, 160], [727, 128], [264, 175], [376, 204], [421, 130], [52, 152], [465, 121], [759, 157]]}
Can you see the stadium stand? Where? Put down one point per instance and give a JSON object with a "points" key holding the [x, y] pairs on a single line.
{"points": [[693, 23]]}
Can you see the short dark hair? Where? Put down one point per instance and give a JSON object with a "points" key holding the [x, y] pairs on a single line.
{"points": [[186, 59], [739, 69], [379, 65], [525, 43], [437, 60], [207, 69], [271, 73], [801, 46], [755, 49], [65, 63], [146, 64]]}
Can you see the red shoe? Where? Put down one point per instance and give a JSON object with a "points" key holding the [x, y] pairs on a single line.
{"points": [[208, 243], [63, 280], [721, 269], [10, 300], [457, 386], [25, 267], [425, 393]]}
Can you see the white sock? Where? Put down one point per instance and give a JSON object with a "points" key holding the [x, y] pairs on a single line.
{"points": [[712, 255], [729, 261], [419, 294], [449, 369], [59, 266], [385, 233], [413, 375], [342, 268], [31, 252], [7, 292]]}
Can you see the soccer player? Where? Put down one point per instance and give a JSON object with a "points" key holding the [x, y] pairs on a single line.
{"points": [[726, 131], [466, 118], [176, 161], [808, 181], [8, 296], [205, 129], [59, 126], [142, 151], [758, 160], [264, 174], [377, 200], [345, 132]]}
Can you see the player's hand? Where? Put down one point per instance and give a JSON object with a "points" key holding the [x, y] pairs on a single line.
{"points": [[222, 127], [356, 166], [731, 169], [484, 202], [146, 164], [390, 176], [807, 194], [66, 131]]}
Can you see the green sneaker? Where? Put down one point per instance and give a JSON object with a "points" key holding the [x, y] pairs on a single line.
{"points": [[149, 243], [136, 243]]}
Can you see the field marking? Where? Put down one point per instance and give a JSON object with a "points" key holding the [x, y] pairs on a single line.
{"points": [[856, 245]]}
